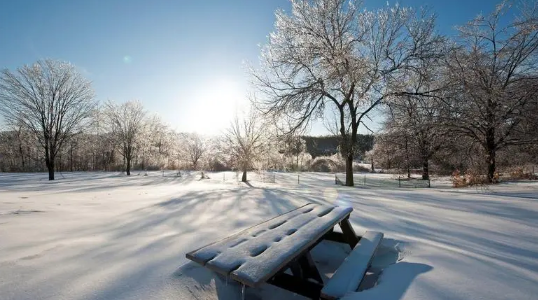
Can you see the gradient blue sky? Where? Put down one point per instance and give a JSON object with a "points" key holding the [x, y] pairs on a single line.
{"points": [[182, 59]]}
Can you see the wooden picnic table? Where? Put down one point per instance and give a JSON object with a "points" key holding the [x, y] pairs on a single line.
{"points": [[261, 254]]}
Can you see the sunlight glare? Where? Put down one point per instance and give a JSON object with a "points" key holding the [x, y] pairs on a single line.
{"points": [[216, 105]]}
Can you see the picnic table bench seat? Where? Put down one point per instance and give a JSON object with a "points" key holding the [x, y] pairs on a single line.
{"points": [[349, 275], [256, 254]]}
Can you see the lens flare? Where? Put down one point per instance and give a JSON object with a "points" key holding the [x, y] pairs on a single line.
{"points": [[333, 197], [330, 194]]}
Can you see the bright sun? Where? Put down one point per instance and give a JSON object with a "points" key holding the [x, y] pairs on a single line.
{"points": [[216, 106]]}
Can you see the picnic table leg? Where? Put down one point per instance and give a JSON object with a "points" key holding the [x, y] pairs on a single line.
{"points": [[296, 270], [302, 269], [349, 234], [297, 285], [309, 267]]}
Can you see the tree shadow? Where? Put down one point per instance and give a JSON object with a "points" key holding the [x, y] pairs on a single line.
{"points": [[84, 181]]}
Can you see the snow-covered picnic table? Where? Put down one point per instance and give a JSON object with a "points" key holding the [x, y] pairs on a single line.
{"points": [[263, 252]]}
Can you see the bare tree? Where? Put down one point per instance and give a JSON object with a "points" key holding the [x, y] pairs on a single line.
{"points": [[245, 140], [415, 120], [22, 140], [331, 52], [293, 146], [153, 143], [126, 122], [396, 146], [100, 144], [51, 99], [195, 147], [495, 76]]}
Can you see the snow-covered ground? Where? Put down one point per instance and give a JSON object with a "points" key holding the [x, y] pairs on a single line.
{"points": [[107, 236]]}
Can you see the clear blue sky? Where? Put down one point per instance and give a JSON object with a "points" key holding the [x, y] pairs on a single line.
{"points": [[182, 59]]}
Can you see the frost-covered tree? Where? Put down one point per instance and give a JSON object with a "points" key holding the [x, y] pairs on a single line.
{"points": [[102, 145], [333, 53], [215, 156], [194, 147], [153, 143], [294, 147], [22, 144], [125, 122], [51, 99], [494, 71], [246, 140], [396, 147], [415, 120]]}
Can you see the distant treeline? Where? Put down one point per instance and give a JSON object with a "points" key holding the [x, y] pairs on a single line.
{"points": [[328, 145]]}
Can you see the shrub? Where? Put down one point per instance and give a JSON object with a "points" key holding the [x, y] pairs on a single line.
{"points": [[470, 178], [520, 174], [327, 164], [359, 168]]}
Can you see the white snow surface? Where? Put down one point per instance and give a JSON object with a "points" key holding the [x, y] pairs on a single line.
{"points": [[108, 236]]}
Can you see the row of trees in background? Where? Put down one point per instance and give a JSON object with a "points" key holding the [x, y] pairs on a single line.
{"points": [[478, 91], [483, 99], [114, 137], [122, 137], [54, 123]]}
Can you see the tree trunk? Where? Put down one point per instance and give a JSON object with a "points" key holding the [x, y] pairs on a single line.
{"points": [[71, 158], [490, 160], [50, 166], [51, 170], [425, 169], [21, 153], [490, 154], [244, 177], [128, 168], [349, 170], [407, 159], [49, 161]]}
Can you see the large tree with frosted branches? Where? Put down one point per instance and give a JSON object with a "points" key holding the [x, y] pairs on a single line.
{"points": [[334, 53], [51, 100], [126, 121], [494, 76]]}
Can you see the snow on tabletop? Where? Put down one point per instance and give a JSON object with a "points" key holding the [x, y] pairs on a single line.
{"points": [[252, 256], [208, 252]]}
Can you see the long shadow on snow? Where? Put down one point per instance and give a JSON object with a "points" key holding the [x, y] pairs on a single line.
{"points": [[195, 217], [84, 182], [444, 231]]}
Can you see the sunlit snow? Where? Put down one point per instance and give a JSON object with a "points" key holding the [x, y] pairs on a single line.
{"points": [[108, 236]]}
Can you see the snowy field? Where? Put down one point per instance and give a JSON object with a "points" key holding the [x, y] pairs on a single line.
{"points": [[107, 236]]}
